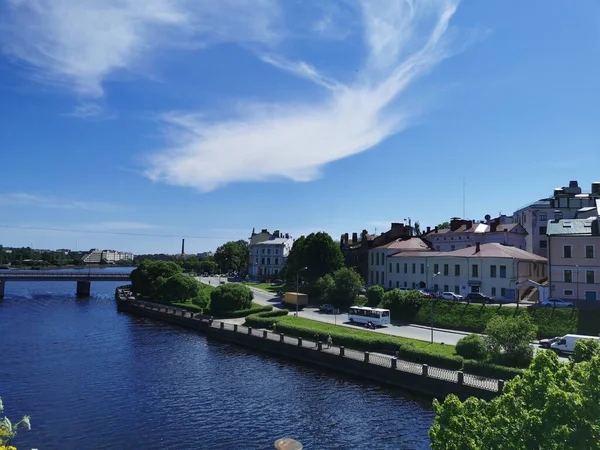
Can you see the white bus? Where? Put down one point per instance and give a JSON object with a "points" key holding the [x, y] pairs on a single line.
{"points": [[364, 314]]}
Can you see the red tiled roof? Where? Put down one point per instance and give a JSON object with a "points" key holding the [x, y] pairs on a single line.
{"points": [[492, 250]]}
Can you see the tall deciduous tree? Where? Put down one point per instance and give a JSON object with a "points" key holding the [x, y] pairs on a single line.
{"points": [[179, 288], [553, 405], [149, 275], [346, 287], [318, 252], [233, 255]]}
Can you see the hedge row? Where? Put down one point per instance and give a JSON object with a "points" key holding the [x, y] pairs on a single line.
{"points": [[474, 317], [490, 370], [256, 308]]}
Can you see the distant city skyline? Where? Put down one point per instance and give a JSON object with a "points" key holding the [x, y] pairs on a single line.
{"points": [[202, 120]]}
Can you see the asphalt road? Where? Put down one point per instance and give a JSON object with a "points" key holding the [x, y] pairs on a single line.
{"points": [[412, 331]]}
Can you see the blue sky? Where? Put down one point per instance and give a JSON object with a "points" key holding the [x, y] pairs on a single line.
{"points": [[164, 119]]}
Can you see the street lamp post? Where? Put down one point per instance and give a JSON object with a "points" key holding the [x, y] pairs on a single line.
{"points": [[431, 302], [298, 287]]}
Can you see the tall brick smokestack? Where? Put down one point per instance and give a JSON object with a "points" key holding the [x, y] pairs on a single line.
{"points": [[183, 247]]}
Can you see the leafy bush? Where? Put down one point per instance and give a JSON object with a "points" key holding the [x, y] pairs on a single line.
{"points": [[179, 288], [149, 275], [402, 304], [324, 286], [472, 347], [375, 295], [255, 308], [585, 350], [230, 297], [474, 318], [346, 287], [486, 369], [508, 340]]}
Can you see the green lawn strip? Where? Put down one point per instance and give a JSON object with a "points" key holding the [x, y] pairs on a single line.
{"points": [[474, 317], [272, 288], [255, 308], [439, 355]]}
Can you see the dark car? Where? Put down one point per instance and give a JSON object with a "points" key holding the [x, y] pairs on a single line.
{"points": [[478, 297], [326, 308]]}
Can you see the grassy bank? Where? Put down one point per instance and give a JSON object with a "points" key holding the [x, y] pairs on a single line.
{"points": [[255, 308], [438, 355], [474, 317], [272, 288]]}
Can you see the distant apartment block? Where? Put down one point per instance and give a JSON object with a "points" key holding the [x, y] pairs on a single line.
{"points": [[96, 256], [573, 246], [268, 253], [569, 200]]}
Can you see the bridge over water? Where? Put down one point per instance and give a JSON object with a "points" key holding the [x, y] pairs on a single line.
{"points": [[83, 279]]}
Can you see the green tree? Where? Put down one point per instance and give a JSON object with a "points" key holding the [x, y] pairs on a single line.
{"points": [[402, 304], [553, 405], [324, 286], [417, 228], [230, 297], [375, 295], [472, 347], [346, 287], [8, 430], [585, 350], [444, 225], [508, 339], [149, 276], [233, 255], [318, 252], [179, 288]]}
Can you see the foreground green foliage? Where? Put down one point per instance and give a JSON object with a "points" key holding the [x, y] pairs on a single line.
{"points": [[230, 297], [233, 256], [8, 430], [149, 276], [553, 405], [375, 295]]}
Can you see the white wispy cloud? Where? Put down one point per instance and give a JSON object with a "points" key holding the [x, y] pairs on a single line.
{"points": [[78, 44], [23, 199], [295, 139]]}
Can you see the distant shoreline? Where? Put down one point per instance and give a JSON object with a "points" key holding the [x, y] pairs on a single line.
{"points": [[90, 266]]}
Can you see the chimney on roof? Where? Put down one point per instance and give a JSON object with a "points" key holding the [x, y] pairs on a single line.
{"points": [[469, 224], [276, 233], [354, 238], [506, 236], [264, 230], [346, 238], [428, 229], [557, 215], [477, 247], [287, 235], [436, 229]]}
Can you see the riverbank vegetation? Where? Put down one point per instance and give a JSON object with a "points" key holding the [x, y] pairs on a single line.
{"points": [[552, 405], [438, 355]]}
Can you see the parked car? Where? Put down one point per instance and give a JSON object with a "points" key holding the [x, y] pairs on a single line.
{"points": [[326, 308], [451, 296], [556, 302], [566, 344], [478, 297]]}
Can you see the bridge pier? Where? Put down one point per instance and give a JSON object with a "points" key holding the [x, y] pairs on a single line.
{"points": [[83, 288], [2, 283]]}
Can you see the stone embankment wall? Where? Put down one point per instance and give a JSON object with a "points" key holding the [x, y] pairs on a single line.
{"points": [[418, 378]]}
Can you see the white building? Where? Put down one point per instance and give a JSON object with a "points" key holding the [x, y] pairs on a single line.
{"points": [[571, 203], [466, 233], [492, 269], [268, 253], [378, 257]]}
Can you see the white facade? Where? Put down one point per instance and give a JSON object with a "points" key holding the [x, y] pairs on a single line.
{"points": [[379, 257], [111, 256], [568, 200], [492, 269], [268, 253]]}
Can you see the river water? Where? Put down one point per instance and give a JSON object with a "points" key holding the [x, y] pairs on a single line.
{"points": [[93, 378]]}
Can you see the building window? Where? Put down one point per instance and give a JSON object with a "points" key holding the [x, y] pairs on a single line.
{"points": [[493, 291], [567, 276], [503, 292], [268, 251], [414, 268], [263, 251], [377, 258], [475, 270], [457, 289], [502, 271], [390, 283], [589, 277], [436, 288], [567, 251], [371, 277], [542, 217], [446, 288], [390, 267], [492, 271], [269, 261], [276, 261], [256, 260], [414, 285], [437, 248], [405, 267], [436, 268], [263, 261], [397, 267], [543, 243], [277, 251], [422, 269], [377, 277], [568, 292], [456, 270], [372, 259], [446, 270], [543, 231], [589, 251], [405, 284], [397, 284], [452, 247]]}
